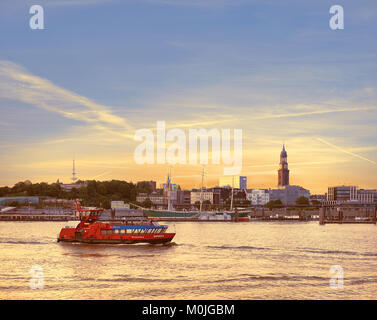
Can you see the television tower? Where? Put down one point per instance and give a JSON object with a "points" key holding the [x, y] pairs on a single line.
{"points": [[74, 172]]}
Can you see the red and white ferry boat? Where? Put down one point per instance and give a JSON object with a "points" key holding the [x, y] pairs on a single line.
{"points": [[91, 230]]}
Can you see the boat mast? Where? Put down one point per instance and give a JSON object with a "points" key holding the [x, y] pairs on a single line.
{"points": [[201, 192], [231, 199], [169, 191]]}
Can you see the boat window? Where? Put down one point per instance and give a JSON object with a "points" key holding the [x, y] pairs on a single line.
{"points": [[103, 231], [123, 231], [116, 231]]}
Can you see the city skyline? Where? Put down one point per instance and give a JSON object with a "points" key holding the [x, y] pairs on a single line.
{"points": [[80, 89], [283, 164]]}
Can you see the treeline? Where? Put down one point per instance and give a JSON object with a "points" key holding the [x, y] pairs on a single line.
{"points": [[91, 192]]}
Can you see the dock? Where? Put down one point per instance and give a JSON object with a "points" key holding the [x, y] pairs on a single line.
{"points": [[336, 214], [347, 214], [37, 217]]}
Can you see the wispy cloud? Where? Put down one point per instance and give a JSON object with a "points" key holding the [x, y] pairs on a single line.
{"points": [[346, 151], [18, 84], [314, 112]]}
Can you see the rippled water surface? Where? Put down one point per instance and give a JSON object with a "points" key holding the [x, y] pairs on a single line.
{"points": [[208, 260]]}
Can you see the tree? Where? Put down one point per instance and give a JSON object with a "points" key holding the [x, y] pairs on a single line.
{"points": [[302, 201], [273, 204], [144, 187], [147, 203]]}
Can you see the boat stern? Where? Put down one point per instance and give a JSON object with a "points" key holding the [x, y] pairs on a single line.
{"points": [[67, 234]]}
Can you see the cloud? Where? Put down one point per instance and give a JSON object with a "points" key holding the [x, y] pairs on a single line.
{"points": [[346, 151], [314, 112], [17, 84]]}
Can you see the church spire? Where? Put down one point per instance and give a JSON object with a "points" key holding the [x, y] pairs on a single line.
{"points": [[283, 172]]}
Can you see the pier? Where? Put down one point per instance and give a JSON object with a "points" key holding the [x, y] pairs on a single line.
{"points": [[339, 214], [37, 217], [348, 214]]}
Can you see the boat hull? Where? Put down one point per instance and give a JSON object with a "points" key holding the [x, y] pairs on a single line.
{"points": [[151, 239]]}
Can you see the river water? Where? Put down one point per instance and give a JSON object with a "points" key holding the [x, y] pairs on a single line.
{"points": [[207, 260]]}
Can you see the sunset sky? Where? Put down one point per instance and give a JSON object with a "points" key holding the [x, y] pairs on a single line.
{"points": [[103, 69]]}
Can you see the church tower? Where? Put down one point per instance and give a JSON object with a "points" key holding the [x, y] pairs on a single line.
{"points": [[283, 172]]}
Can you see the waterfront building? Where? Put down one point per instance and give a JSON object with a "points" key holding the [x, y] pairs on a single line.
{"points": [[258, 197], [321, 198], [288, 194], [156, 198], [119, 205], [283, 172], [69, 186], [351, 194], [196, 195], [21, 200], [237, 182], [183, 198], [342, 193], [365, 196]]}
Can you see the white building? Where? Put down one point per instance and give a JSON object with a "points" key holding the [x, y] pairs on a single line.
{"points": [[119, 205], [206, 195], [366, 196], [258, 197]]}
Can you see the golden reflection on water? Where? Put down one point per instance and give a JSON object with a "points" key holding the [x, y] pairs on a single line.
{"points": [[255, 260]]}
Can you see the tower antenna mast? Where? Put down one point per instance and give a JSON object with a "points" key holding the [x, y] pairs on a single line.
{"points": [[74, 178]]}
